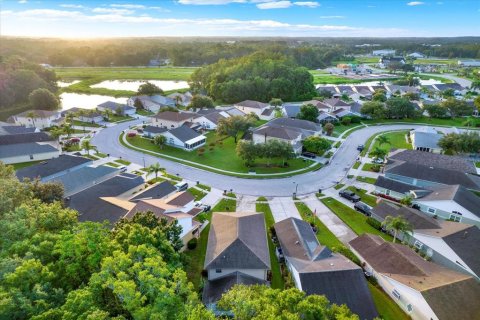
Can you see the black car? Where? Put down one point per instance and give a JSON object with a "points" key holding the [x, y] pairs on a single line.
{"points": [[360, 147], [309, 155], [363, 208], [349, 195]]}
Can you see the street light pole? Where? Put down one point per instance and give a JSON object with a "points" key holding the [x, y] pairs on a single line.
{"points": [[143, 162], [296, 189]]}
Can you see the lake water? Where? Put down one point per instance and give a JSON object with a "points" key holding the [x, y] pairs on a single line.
{"points": [[86, 101], [165, 85], [62, 84]]}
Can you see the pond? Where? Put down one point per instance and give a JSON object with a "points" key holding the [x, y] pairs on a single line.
{"points": [[165, 85], [63, 84], [86, 101]]}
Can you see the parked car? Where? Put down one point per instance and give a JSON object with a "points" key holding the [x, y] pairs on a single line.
{"points": [[309, 155], [378, 161], [182, 186], [360, 147], [206, 207], [363, 208], [349, 195], [123, 168]]}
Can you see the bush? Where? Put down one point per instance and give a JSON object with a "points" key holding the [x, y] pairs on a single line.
{"points": [[376, 168], [346, 121], [356, 119], [131, 134], [373, 281], [374, 223], [192, 244]]}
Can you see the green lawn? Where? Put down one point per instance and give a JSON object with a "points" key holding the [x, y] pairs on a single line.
{"points": [[477, 164], [85, 124], [197, 193], [356, 165], [100, 155], [386, 307], [277, 279], [223, 156], [89, 156], [172, 177], [355, 220], [436, 61], [204, 187], [454, 122], [112, 164], [115, 118], [196, 258], [367, 198], [369, 167], [18, 166], [339, 186], [321, 77], [145, 113], [366, 179], [124, 162], [340, 128], [397, 141]]}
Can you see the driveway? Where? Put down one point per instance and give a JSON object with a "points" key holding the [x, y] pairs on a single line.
{"points": [[246, 203], [107, 141], [283, 208]]}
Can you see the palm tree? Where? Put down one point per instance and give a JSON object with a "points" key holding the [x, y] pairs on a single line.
{"points": [[378, 153], [56, 133], [383, 140], [160, 141], [82, 113], [397, 224], [67, 128], [178, 100], [154, 168], [87, 146], [107, 114], [32, 115]]}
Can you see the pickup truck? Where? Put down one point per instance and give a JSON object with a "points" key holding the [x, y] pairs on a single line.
{"points": [[349, 195]]}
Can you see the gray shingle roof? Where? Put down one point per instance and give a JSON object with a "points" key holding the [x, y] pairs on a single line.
{"points": [[81, 178], [10, 130], [38, 113], [184, 133], [278, 132], [295, 123], [154, 129], [459, 194], [465, 244], [394, 185], [158, 191], [25, 138], [50, 167], [22, 149], [174, 116], [292, 109], [416, 219], [427, 140], [434, 160], [237, 240], [112, 105], [252, 104]]}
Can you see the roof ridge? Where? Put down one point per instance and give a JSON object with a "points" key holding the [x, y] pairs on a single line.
{"points": [[396, 247]]}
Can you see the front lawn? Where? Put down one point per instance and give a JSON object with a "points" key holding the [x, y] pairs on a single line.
{"points": [[124, 162], [355, 220], [144, 112], [397, 141], [85, 124], [370, 167], [204, 187], [366, 179], [339, 186], [277, 279], [356, 165], [112, 164], [197, 193], [366, 198], [477, 164], [221, 155], [115, 118]]}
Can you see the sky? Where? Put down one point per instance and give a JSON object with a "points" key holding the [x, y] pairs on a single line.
{"points": [[292, 18]]}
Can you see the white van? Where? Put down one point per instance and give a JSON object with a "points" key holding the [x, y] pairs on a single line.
{"points": [[181, 186]]}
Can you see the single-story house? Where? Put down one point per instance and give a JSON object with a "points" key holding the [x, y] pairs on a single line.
{"points": [[316, 269], [348, 90], [237, 253], [152, 103], [335, 104], [249, 106], [266, 133], [319, 104], [11, 129], [451, 244], [40, 119], [324, 117], [210, 120], [424, 290], [117, 108], [172, 119], [267, 114], [53, 168], [182, 99], [393, 89], [152, 131], [426, 139], [26, 152], [185, 138], [291, 110], [386, 61], [89, 115]]}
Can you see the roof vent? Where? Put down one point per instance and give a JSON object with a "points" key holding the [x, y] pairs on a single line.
{"points": [[431, 167], [332, 264], [465, 234], [297, 242]]}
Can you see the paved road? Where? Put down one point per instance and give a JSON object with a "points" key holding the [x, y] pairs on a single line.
{"points": [[107, 141]]}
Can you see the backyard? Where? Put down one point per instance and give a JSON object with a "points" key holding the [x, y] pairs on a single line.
{"points": [[221, 155]]}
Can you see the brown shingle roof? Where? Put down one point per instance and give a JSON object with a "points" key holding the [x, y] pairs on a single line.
{"points": [[174, 116]]}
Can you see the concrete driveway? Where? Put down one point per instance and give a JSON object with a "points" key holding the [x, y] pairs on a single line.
{"points": [[283, 208]]}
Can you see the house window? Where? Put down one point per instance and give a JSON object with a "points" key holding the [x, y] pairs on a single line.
{"points": [[455, 217], [409, 307], [218, 270], [387, 192], [31, 157], [396, 294], [432, 210], [418, 244]]}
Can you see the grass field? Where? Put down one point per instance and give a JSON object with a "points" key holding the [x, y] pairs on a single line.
{"points": [[322, 77], [366, 179], [369, 167], [397, 141], [223, 156], [436, 61], [197, 193], [277, 279], [366, 198], [124, 162], [355, 220]]}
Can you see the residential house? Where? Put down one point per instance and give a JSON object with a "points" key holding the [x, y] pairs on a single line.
{"points": [[416, 55], [331, 89], [210, 120], [401, 90], [319, 104], [185, 138], [364, 92], [172, 119], [89, 115], [40, 119], [386, 61], [237, 253], [10, 129], [324, 117], [424, 290], [426, 139], [469, 63], [26, 147], [315, 269], [335, 104], [153, 103], [457, 88], [182, 99], [117, 108], [451, 244], [267, 114], [291, 110], [249, 106]]}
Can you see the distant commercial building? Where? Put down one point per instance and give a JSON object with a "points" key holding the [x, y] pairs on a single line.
{"points": [[383, 52]]}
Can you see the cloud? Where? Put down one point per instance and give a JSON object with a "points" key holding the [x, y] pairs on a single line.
{"points": [[128, 6], [310, 4], [22, 1], [332, 17], [75, 6], [415, 3], [275, 5], [113, 11], [209, 2]]}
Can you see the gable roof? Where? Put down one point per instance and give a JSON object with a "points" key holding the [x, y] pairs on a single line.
{"points": [[394, 185], [112, 105], [174, 116], [157, 191], [334, 102], [237, 240], [12, 130], [155, 129], [292, 110], [465, 244], [317, 103], [22, 149], [457, 193], [214, 117], [416, 219], [47, 168], [278, 132], [295, 123], [25, 138], [38, 113], [252, 104], [427, 139], [184, 133]]}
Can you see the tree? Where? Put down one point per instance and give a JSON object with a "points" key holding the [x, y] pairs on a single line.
{"points": [[87, 146], [397, 224], [154, 169], [107, 113], [316, 145], [437, 111], [324, 94], [379, 96], [328, 127], [32, 115], [262, 302], [138, 104], [374, 109], [43, 99], [232, 126], [383, 139], [68, 129], [457, 108], [378, 153], [275, 102], [475, 85], [412, 96], [476, 102], [149, 89], [400, 108], [160, 141], [200, 101], [248, 151], [448, 93], [308, 112], [467, 142], [47, 192], [56, 133]]}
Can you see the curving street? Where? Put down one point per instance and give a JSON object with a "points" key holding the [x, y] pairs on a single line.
{"points": [[107, 141]]}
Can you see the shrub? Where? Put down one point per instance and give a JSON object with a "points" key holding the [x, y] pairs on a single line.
{"points": [[74, 140], [356, 119], [376, 168], [374, 223], [373, 281], [131, 134], [346, 121], [192, 244]]}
